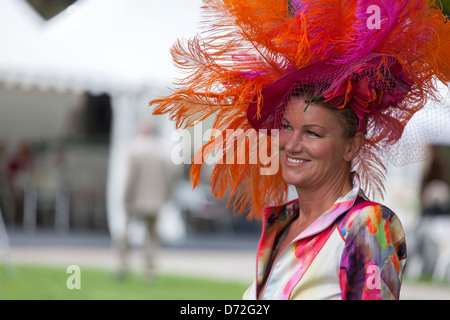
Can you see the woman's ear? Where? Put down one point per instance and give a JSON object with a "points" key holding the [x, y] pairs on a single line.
{"points": [[353, 146]]}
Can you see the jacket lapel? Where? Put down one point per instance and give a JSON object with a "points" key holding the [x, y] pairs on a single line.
{"points": [[275, 220]]}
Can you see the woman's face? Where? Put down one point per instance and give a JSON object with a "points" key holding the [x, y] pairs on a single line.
{"points": [[313, 150]]}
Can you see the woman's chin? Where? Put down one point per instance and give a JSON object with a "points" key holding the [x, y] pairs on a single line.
{"points": [[296, 181]]}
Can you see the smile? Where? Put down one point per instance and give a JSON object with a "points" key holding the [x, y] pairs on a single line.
{"points": [[292, 160]]}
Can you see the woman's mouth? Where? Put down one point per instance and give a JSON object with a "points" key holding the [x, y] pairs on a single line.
{"points": [[290, 160]]}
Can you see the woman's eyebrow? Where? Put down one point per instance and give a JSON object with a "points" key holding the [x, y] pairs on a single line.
{"points": [[313, 125], [304, 126]]}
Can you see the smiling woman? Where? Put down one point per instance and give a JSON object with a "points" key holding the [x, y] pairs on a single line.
{"points": [[317, 147]]}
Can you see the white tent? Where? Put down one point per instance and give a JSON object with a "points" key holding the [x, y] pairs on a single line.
{"points": [[19, 26], [119, 47]]}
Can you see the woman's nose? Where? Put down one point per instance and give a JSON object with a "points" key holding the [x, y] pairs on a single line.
{"points": [[294, 144]]}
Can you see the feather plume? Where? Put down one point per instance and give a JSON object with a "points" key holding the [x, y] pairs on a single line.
{"points": [[371, 170], [327, 24]]}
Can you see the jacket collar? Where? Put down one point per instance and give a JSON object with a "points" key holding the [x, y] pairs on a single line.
{"points": [[276, 218]]}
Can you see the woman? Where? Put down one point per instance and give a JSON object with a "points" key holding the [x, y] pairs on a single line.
{"points": [[335, 83], [331, 243]]}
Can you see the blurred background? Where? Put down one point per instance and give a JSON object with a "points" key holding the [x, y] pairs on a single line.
{"points": [[75, 81]]}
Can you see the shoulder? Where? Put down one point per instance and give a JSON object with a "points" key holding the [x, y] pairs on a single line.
{"points": [[372, 220], [370, 213]]}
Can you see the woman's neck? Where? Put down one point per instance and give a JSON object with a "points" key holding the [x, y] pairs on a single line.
{"points": [[315, 201]]}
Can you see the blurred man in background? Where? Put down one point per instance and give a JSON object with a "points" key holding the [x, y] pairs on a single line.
{"points": [[149, 184]]}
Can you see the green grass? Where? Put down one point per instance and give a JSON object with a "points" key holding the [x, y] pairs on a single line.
{"points": [[49, 283]]}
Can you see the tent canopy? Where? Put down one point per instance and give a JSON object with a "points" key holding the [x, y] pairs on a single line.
{"points": [[19, 26], [95, 45], [18, 21]]}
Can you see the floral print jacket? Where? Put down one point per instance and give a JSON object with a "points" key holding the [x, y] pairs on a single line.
{"points": [[354, 250]]}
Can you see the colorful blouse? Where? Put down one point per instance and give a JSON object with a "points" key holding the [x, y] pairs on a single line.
{"points": [[354, 250]]}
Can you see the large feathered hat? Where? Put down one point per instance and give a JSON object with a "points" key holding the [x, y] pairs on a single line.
{"points": [[382, 58]]}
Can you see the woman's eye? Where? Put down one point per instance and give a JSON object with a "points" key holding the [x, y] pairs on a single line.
{"points": [[313, 134], [285, 126]]}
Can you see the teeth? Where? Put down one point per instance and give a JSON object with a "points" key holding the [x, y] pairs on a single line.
{"points": [[296, 160]]}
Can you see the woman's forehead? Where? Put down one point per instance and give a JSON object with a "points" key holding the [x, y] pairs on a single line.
{"points": [[300, 110]]}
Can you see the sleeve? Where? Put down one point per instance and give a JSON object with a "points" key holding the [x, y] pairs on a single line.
{"points": [[374, 256]]}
